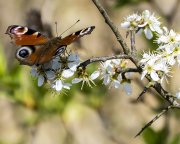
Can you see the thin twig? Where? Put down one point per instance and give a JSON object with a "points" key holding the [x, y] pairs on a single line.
{"points": [[142, 93], [103, 59], [154, 119], [144, 90], [170, 16], [133, 46], [124, 71]]}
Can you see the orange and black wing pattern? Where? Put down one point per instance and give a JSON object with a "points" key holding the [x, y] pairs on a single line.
{"points": [[21, 35], [75, 36]]}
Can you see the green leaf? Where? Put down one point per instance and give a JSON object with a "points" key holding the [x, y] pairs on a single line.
{"points": [[121, 3], [2, 62], [176, 139], [155, 137]]}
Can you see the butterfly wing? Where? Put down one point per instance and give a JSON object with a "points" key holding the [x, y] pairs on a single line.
{"points": [[75, 36], [57, 45], [40, 54], [25, 36]]}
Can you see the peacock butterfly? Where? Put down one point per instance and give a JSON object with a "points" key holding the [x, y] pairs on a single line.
{"points": [[36, 48]]}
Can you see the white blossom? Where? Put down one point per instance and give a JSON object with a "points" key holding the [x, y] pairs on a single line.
{"points": [[146, 21], [131, 22], [168, 37], [150, 68], [85, 78], [150, 24], [58, 85]]}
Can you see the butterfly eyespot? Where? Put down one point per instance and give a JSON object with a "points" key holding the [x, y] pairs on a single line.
{"points": [[19, 30], [24, 52], [86, 31], [60, 50]]}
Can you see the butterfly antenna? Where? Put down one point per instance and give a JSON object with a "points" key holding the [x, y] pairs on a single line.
{"points": [[69, 27], [56, 29]]}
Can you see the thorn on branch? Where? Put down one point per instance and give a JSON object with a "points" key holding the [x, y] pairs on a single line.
{"points": [[140, 97], [153, 120], [150, 84]]}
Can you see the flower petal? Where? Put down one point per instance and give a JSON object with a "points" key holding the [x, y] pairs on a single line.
{"points": [[95, 75], [76, 80], [143, 74], [66, 86], [127, 88], [67, 73], [125, 25], [154, 76], [58, 85], [106, 80], [56, 65], [116, 83], [72, 66], [40, 80], [50, 75], [148, 33], [34, 72]]}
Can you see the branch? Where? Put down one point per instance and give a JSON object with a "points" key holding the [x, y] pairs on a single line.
{"points": [[103, 59], [166, 95]]}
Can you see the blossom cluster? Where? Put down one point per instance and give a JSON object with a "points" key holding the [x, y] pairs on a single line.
{"points": [[167, 54], [111, 72], [63, 67], [56, 71], [146, 22], [159, 63]]}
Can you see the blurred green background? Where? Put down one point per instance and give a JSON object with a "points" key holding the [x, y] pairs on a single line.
{"points": [[98, 115]]}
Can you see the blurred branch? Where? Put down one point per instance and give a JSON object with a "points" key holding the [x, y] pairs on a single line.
{"points": [[170, 17], [154, 119], [34, 21]]}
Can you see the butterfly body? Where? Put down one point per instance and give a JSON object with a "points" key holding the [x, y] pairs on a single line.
{"points": [[38, 49]]}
